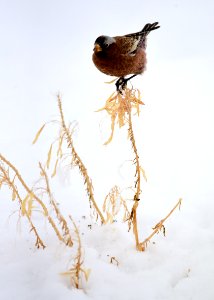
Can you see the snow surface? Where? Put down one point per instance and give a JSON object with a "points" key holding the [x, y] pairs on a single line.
{"points": [[46, 48]]}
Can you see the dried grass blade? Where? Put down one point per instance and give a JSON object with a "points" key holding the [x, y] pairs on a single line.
{"points": [[109, 82], [143, 173], [86, 273], [55, 168], [23, 206], [49, 157], [14, 195], [38, 134], [113, 117]]}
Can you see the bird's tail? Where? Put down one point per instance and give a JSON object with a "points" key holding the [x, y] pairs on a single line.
{"points": [[143, 33], [149, 27]]}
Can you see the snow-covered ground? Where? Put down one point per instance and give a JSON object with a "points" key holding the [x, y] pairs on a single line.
{"points": [[46, 48]]}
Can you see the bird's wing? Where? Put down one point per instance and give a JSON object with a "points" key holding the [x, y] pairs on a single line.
{"points": [[128, 44], [139, 38]]}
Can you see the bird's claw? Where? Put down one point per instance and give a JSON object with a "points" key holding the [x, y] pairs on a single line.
{"points": [[121, 84]]}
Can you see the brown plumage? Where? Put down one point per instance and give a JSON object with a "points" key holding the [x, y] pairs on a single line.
{"points": [[122, 55]]}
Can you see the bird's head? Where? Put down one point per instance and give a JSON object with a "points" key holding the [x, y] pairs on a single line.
{"points": [[103, 42]]}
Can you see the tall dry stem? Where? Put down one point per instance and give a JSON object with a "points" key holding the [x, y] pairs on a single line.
{"points": [[119, 107], [133, 216], [76, 160]]}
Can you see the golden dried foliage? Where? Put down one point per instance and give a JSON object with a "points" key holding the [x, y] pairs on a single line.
{"points": [[66, 235], [33, 200], [77, 272], [118, 106], [113, 204], [66, 138], [6, 168], [38, 134], [66, 134]]}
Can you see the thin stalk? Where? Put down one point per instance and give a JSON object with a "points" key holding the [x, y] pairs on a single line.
{"points": [[133, 215], [160, 225], [77, 160]]}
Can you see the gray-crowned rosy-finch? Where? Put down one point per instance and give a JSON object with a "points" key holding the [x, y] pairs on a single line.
{"points": [[122, 55]]}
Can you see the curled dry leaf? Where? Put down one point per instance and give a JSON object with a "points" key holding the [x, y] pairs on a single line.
{"points": [[118, 105]]}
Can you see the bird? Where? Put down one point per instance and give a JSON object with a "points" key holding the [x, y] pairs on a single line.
{"points": [[122, 55]]}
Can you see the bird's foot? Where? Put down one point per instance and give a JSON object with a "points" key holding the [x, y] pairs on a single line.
{"points": [[121, 83]]}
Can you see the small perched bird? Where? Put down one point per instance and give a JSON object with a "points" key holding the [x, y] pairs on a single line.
{"points": [[122, 55]]}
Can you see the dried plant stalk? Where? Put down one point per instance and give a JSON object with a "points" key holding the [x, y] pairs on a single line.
{"points": [[66, 232], [160, 225], [133, 216], [75, 273], [119, 107], [76, 160]]}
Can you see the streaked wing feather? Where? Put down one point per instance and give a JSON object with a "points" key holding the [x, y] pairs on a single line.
{"points": [[129, 44]]}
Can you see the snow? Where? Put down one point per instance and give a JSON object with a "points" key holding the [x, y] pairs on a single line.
{"points": [[46, 49]]}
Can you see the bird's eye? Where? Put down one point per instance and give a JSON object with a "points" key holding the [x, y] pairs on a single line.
{"points": [[106, 45]]}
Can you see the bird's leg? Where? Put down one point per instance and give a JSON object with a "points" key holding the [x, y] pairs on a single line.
{"points": [[122, 82], [131, 77]]}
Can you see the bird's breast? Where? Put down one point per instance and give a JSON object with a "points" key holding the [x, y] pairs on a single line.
{"points": [[117, 64]]}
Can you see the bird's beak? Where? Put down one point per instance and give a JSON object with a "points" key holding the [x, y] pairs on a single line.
{"points": [[97, 48]]}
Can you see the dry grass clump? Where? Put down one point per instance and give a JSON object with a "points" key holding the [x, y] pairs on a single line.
{"points": [[113, 204], [77, 273], [118, 107], [66, 234], [39, 199], [33, 200], [26, 201]]}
